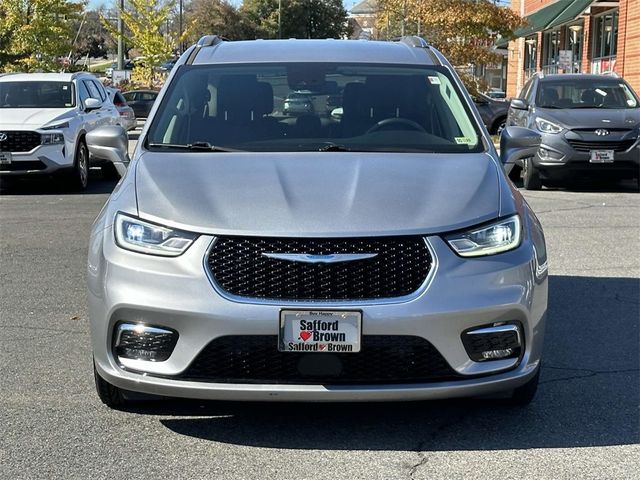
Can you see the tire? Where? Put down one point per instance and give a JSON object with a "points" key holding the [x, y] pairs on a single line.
{"points": [[498, 126], [79, 177], [109, 172], [110, 395], [530, 175], [522, 396]]}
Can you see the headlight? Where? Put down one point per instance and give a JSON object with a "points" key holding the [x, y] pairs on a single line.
{"points": [[58, 126], [51, 138], [545, 126], [144, 237], [498, 237]]}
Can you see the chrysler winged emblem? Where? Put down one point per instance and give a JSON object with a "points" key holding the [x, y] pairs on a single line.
{"points": [[309, 258], [601, 132]]}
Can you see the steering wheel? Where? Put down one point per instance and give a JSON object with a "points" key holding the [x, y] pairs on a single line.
{"points": [[401, 121]]}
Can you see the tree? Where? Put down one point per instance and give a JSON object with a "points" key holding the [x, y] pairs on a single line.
{"points": [[35, 34], [300, 18], [219, 17], [91, 38], [463, 30], [144, 20]]}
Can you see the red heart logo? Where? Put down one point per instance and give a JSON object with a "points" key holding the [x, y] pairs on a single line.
{"points": [[322, 346], [304, 335]]}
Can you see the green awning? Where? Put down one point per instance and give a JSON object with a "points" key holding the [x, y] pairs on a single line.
{"points": [[502, 43], [542, 18], [571, 12]]}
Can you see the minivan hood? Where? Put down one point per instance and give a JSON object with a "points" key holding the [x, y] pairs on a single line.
{"points": [[30, 118], [317, 194], [594, 117]]}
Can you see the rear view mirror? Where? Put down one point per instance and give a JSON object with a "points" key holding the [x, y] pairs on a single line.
{"points": [[92, 104], [517, 143], [110, 143], [519, 104]]}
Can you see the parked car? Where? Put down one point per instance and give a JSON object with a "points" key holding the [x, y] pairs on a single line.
{"points": [[493, 113], [141, 101], [298, 103], [128, 65], [44, 118], [496, 94], [590, 127], [168, 65], [387, 258], [127, 116]]}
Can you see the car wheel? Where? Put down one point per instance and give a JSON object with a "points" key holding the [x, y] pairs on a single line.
{"points": [[79, 178], [110, 172], [530, 175], [498, 126], [524, 394], [110, 395]]}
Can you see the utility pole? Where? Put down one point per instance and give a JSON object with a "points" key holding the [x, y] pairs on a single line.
{"points": [[180, 38], [279, 18], [404, 16], [120, 40]]}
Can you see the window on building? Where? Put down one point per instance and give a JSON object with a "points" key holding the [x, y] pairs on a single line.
{"points": [[605, 42], [530, 55], [573, 40], [550, 51]]}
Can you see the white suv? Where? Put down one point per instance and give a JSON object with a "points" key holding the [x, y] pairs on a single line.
{"points": [[44, 118]]}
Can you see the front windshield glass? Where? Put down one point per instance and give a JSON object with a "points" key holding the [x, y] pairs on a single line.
{"points": [[36, 95], [572, 93], [314, 106]]}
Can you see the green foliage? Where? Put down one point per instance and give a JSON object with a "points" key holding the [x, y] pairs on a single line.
{"points": [[34, 34], [219, 17], [144, 20], [300, 18]]}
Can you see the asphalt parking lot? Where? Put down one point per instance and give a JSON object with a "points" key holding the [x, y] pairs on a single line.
{"points": [[584, 423]]}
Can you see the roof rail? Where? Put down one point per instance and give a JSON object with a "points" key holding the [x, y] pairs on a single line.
{"points": [[209, 40], [412, 41]]}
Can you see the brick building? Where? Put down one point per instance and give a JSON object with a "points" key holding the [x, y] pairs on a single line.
{"points": [[588, 36]]}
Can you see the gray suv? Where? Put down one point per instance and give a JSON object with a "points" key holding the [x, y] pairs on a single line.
{"points": [[590, 126], [250, 254]]}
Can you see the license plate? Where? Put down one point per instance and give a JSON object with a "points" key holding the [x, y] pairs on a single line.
{"points": [[601, 156], [320, 331], [5, 158]]}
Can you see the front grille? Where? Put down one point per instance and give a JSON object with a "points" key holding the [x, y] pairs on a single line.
{"points": [[586, 146], [23, 166], [400, 268], [19, 141], [382, 360]]}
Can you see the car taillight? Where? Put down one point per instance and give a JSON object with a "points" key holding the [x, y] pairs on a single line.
{"points": [[119, 104]]}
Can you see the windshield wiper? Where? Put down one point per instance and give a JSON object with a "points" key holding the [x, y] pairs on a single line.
{"points": [[195, 146], [334, 147]]}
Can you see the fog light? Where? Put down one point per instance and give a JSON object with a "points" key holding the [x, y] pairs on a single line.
{"points": [[546, 154], [493, 342], [142, 342]]}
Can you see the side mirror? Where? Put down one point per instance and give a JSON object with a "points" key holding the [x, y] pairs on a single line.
{"points": [[92, 104], [110, 143], [519, 104], [517, 143]]}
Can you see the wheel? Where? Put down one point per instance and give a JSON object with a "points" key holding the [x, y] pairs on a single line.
{"points": [[109, 172], [498, 126], [524, 394], [110, 395], [530, 175], [79, 177], [396, 121]]}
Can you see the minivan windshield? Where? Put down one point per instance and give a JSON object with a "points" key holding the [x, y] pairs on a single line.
{"points": [[314, 107], [585, 93], [36, 94]]}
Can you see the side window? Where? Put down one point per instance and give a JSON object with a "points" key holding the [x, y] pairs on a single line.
{"points": [[530, 92], [101, 92], [147, 97], [83, 93], [525, 90], [93, 90]]}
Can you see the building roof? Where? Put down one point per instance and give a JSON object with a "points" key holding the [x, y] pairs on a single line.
{"points": [[365, 7], [334, 51]]}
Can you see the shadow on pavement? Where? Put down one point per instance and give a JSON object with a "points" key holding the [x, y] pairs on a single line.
{"points": [[588, 396], [54, 185]]}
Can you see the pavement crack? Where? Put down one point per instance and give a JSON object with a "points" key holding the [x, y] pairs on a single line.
{"points": [[587, 373]]}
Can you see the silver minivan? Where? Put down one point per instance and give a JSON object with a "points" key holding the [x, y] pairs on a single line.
{"points": [[252, 254]]}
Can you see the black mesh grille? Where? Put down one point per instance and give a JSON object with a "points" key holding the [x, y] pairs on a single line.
{"points": [[19, 141], [400, 267], [586, 146], [382, 360], [23, 166]]}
